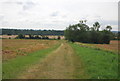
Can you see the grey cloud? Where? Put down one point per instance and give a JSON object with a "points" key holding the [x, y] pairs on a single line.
{"points": [[28, 5], [13, 2], [64, 16], [4, 23], [25, 5], [20, 3], [111, 22], [7, 2], [1, 17], [54, 14]]}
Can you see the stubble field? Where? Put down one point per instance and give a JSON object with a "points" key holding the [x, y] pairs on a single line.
{"points": [[12, 48]]}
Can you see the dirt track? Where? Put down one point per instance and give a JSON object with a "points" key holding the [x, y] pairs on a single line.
{"points": [[60, 64]]}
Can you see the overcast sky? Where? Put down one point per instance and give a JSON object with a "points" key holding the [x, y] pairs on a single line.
{"points": [[57, 14]]}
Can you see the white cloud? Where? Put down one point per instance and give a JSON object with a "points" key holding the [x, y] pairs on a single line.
{"points": [[56, 14]]}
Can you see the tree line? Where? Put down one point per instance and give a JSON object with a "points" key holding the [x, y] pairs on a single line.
{"points": [[32, 32], [21, 36], [81, 32]]}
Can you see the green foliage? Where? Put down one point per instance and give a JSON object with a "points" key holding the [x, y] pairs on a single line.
{"points": [[32, 32], [98, 64], [30, 36], [58, 38], [37, 37], [20, 36], [44, 37], [108, 28], [83, 33], [96, 26]]}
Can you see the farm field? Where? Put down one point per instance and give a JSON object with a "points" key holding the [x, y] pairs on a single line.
{"points": [[113, 46], [57, 59], [8, 36], [11, 48]]}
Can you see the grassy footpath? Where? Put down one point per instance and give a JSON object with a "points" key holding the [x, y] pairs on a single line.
{"points": [[98, 64], [12, 68]]}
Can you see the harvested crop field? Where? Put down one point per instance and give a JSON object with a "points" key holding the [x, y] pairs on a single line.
{"points": [[113, 46], [8, 36], [14, 47]]}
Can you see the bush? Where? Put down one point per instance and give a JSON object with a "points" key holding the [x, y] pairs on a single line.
{"points": [[58, 38], [20, 36]]}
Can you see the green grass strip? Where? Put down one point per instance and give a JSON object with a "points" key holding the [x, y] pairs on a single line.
{"points": [[13, 67], [99, 64]]}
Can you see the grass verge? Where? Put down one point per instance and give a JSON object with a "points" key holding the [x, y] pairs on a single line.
{"points": [[12, 68], [99, 64]]}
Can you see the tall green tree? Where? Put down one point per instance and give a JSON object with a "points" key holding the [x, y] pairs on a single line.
{"points": [[20, 36], [96, 26], [109, 28]]}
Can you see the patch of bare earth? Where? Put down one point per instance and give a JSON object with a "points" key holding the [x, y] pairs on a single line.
{"points": [[60, 64]]}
